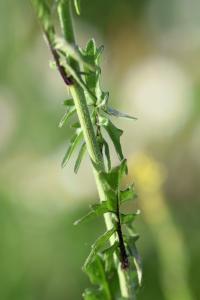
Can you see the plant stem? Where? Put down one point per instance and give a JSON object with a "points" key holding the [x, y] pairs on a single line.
{"points": [[64, 11]]}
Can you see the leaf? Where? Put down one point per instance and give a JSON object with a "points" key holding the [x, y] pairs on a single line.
{"points": [[99, 52], [91, 78], [97, 245], [44, 14], [111, 183], [113, 112], [96, 210], [103, 99], [76, 125], [76, 139], [107, 154], [123, 169], [109, 188], [134, 255], [67, 116], [91, 48], [108, 256], [80, 158], [92, 294], [128, 218], [68, 102], [115, 134], [128, 194], [78, 79], [138, 264], [97, 275], [96, 271], [77, 5], [103, 121], [70, 50]]}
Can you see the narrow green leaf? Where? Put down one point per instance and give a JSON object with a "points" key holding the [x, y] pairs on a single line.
{"points": [[77, 5], [44, 14], [123, 170], [114, 112], [111, 183], [138, 264], [99, 52], [91, 48], [112, 179], [68, 102], [136, 259], [76, 125], [84, 218], [128, 194], [96, 271], [78, 79], [103, 121], [101, 208], [108, 256], [97, 245], [67, 116], [109, 188], [76, 139], [115, 134], [107, 154], [80, 158], [96, 210], [103, 99], [70, 50], [129, 218], [92, 294]]}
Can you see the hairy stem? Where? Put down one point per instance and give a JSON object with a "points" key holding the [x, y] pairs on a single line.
{"points": [[64, 11]]}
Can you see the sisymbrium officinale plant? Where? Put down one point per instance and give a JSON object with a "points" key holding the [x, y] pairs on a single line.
{"points": [[114, 253]]}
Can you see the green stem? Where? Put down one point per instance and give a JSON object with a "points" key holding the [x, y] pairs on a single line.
{"points": [[64, 11]]}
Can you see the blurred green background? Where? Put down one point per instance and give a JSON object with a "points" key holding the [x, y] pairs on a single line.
{"points": [[151, 66]]}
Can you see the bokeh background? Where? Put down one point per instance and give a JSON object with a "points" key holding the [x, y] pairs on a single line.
{"points": [[151, 67]]}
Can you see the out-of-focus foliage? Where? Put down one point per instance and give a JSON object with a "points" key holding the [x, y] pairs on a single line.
{"points": [[152, 67]]}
